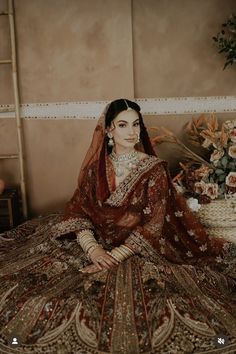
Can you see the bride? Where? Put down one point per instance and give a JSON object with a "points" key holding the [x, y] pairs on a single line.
{"points": [[126, 268]]}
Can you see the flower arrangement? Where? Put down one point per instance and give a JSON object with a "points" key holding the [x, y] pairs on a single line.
{"points": [[208, 177]]}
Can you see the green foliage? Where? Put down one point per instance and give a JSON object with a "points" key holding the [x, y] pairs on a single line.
{"points": [[226, 40]]}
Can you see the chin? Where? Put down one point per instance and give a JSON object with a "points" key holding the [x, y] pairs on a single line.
{"points": [[129, 143]]}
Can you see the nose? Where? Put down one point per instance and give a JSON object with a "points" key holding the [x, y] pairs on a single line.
{"points": [[132, 132]]}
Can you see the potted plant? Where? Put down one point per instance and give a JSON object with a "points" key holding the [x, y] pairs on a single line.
{"points": [[226, 40]]}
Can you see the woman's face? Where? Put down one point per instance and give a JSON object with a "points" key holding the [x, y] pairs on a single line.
{"points": [[125, 129]]}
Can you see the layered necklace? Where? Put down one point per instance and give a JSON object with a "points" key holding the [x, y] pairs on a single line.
{"points": [[124, 162]]}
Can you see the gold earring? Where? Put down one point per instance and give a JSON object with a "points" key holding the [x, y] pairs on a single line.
{"points": [[111, 141]]}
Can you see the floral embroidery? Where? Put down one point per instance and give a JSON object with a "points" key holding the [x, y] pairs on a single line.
{"points": [[203, 247], [176, 238], [162, 249], [147, 210], [190, 232], [70, 225], [168, 218], [219, 259], [134, 200], [162, 241], [178, 214], [189, 254], [226, 246], [151, 182]]}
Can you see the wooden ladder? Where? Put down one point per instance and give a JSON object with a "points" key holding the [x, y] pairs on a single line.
{"points": [[16, 107]]}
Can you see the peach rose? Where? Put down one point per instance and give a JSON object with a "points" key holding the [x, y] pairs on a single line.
{"points": [[231, 179], [232, 135], [230, 124], [200, 187], [232, 151], [211, 190], [216, 155]]}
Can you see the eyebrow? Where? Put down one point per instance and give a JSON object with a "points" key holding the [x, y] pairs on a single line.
{"points": [[126, 121]]}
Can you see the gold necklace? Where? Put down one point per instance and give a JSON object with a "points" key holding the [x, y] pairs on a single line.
{"points": [[127, 161]]}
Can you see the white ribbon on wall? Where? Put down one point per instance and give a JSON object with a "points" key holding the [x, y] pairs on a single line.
{"points": [[149, 106]]}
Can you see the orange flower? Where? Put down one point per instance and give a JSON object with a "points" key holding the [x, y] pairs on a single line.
{"points": [[202, 172], [223, 137]]}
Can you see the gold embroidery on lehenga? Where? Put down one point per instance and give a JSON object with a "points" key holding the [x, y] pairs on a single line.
{"points": [[147, 210], [124, 338], [164, 330], [85, 333], [70, 225], [203, 248]]}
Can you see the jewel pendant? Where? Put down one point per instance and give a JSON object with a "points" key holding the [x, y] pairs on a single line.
{"points": [[119, 172], [130, 165]]}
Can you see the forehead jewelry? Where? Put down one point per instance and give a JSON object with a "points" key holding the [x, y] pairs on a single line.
{"points": [[128, 108]]}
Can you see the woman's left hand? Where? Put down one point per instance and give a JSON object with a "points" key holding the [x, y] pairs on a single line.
{"points": [[92, 268]]}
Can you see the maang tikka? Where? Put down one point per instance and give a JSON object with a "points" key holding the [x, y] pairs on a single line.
{"points": [[128, 108]]}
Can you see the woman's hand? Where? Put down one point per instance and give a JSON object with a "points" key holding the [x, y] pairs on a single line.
{"points": [[102, 260], [92, 268]]}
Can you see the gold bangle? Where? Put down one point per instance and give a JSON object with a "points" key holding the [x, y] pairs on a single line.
{"points": [[92, 248], [121, 252], [118, 254], [86, 240], [87, 246], [113, 256], [126, 250]]}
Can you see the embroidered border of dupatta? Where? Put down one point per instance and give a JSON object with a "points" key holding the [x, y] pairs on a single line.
{"points": [[118, 196]]}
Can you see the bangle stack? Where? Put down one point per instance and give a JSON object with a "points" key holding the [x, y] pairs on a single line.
{"points": [[87, 241], [121, 253]]}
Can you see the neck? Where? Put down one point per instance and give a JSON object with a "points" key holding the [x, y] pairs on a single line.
{"points": [[120, 150]]}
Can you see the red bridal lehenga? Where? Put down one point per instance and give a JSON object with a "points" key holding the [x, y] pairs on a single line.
{"points": [[175, 295]]}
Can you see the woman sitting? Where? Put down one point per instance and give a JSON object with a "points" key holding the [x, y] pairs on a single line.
{"points": [[127, 268]]}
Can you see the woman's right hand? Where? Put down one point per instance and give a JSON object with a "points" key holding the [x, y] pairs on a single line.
{"points": [[102, 260]]}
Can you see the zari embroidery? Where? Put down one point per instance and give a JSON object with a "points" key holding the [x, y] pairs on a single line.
{"points": [[118, 196], [203, 248], [70, 225], [142, 246]]}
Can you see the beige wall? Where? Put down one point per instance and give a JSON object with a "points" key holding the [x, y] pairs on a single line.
{"points": [[174, 54], [72, 50]]}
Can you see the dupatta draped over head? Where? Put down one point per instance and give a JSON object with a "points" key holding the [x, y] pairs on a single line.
{"points": [[144, 210]]}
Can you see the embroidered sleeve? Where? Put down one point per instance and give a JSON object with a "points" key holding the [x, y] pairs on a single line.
{"points": [[146, 239], [75, 217]]}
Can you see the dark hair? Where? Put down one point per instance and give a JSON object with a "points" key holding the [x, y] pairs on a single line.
{"points": [[120, 105]]}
